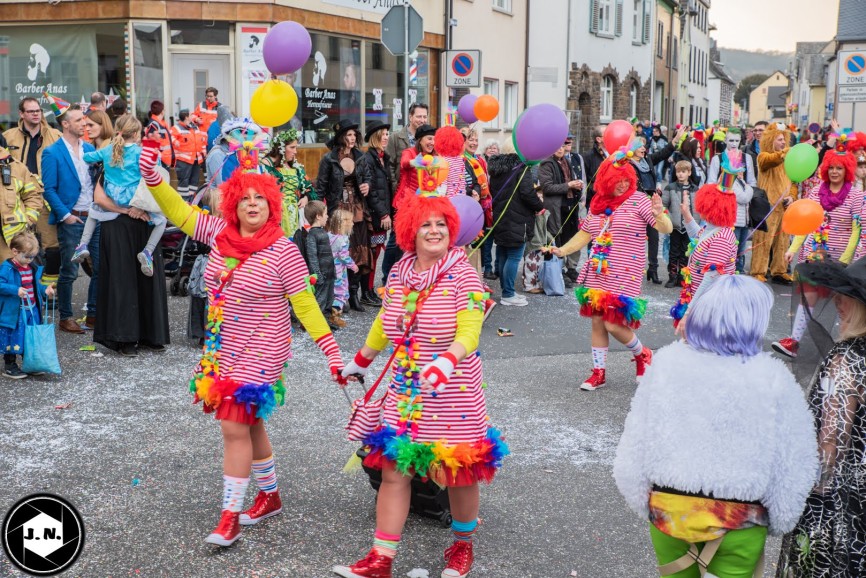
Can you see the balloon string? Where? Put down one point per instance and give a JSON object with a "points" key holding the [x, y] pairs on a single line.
{"points": [[577, 204], [504, 210]]}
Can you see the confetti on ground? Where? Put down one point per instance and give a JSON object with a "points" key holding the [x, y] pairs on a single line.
{"points": [[418, 573], [66, 405], [87, 348], [504, 332]]}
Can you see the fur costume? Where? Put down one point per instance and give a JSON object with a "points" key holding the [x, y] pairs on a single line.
{"points": [[449, 145], [736, 428]]}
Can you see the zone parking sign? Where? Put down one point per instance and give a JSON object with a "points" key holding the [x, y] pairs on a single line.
{"points": [[462, 68]]}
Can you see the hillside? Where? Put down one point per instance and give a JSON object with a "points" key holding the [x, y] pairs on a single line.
{"points": [[742, 63]]}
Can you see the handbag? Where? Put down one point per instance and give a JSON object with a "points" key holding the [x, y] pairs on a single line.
{"points": [[551, 277], [759, 209], [40, 345]]}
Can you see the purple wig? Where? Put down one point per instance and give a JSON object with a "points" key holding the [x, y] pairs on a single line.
{"points": [[730, 317]]}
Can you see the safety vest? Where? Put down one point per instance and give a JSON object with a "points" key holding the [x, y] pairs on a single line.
{"points": [[189, 143], [207, 114], [21, 200], [163, 135]]}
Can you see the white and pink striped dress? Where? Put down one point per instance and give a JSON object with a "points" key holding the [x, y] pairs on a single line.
{"points": [[839, 224], [714, 249]]}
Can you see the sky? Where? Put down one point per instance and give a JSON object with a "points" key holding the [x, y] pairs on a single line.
{"points": [[773, 24]]}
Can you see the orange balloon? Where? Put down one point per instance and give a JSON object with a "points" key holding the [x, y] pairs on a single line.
{"points": [[802, 217], [486, 107]]}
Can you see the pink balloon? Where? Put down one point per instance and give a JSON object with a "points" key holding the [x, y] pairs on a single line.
{"points": [[287, 47], [466, 108], [618, 134], [540, 131], [471, 219]]}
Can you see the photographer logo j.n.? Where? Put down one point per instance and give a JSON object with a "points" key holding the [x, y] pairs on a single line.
{"points": [[43, 534]]}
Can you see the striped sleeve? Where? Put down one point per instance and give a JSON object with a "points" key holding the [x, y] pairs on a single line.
{"points": [[207, 227]]}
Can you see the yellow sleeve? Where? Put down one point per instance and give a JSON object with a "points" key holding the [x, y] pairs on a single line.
{"points": [[797, 242], [469, 328], [663, 224], [576, 243], [376, 336], [856, 229], [308, 312], [175, 208]]}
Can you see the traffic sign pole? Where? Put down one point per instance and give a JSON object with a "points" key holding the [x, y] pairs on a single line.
{"points": [[406, 62]]}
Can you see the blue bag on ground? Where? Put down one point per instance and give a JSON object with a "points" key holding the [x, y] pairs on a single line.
{"points": [[551, 277], [40, 347]]}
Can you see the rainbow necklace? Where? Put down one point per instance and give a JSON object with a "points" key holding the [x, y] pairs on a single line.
{"points": [[820, 241], [601, 246]]}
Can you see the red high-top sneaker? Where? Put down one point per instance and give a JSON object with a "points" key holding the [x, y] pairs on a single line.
{"points": [[787, 347], [374, 565], [643, 361], [594, 381], [227, 531], [265, 506], [459, 560]]}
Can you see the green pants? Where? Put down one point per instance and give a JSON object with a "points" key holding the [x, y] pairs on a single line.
{"points": [[737, 556]]}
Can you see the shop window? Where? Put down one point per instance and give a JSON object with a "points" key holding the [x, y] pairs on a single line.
{"points": [[70, 62], [199, 33], [606, 110], [147, 54], [509, 108], [491, 87]]}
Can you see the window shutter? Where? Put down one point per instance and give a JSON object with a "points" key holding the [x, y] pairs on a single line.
{"points": [[618, 18], [593, 16], [647, 17]]}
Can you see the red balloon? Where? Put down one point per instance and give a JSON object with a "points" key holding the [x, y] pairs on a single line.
{"points": [[618, 134]]}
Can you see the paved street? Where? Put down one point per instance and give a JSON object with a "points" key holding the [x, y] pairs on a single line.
{"points": [[143, 465]]}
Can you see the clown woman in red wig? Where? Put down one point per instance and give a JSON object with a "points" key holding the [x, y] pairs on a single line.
{"points": [[252, 268], [609, 285]]}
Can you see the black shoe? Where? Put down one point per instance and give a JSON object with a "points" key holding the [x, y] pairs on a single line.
{"points": [[355, 303], [152, 347], [653, 275], [491, 275], [571, 274], [128, 350], [672, 282], [12, 371], [567, 282], [370, 298], [781, 279]]}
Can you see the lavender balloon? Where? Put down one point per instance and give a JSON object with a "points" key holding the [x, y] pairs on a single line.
{"points": [[466, 108], [286, 47], [471, 219], [541, 131]]}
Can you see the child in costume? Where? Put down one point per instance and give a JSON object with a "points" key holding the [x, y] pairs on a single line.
{"points": [[120, 162], [672, 199], [713, 247], [609, 285], [339, 227], [836, 237], [320, 258], [719, 446], [435, 421], [21, 296]]}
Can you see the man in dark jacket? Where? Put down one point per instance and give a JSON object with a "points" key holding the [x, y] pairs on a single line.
{"points": [[557, 185], [516, 225], [571, 207], [592, 160]]}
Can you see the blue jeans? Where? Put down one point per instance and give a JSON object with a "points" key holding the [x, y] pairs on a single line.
{"points": [[68, 237], [666, 248], [660, 172], [742, 234], [507, 260], [487, 255]]}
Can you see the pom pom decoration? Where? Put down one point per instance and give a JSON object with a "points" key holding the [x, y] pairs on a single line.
{"points": [[802, 217], [286, 48], [617, 134], [471, 219], [432, 172], [466, 108]]}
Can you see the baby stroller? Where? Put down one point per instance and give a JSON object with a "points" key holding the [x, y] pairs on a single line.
{"points": [[179, 251]]}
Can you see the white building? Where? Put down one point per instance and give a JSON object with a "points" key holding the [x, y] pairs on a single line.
{"points": [[846, 91], [695, 64], [594, 59]]}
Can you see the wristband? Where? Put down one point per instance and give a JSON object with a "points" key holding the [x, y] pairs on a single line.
{"points": [[362, 361]]}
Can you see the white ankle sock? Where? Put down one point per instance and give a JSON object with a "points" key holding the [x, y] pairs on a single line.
{"points": [[800, 323], [233, 493], [599, 357]]}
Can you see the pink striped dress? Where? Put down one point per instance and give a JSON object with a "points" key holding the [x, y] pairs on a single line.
{"points": [[838, 224], [714, 249], [256, 333]]}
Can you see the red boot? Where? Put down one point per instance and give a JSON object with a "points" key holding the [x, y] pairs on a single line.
{"points": [[374, 565], [594, 381], [265, 506], [458, 560], [643, 361], [227, 531]]}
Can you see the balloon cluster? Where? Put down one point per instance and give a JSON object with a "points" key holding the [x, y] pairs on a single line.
{"points": [[473, 108], [286, 49]]}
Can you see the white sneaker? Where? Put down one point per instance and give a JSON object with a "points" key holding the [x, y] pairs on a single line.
{"points": [[515, 301]]}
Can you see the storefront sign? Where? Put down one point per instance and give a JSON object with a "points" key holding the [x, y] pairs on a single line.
{"points": [[253, 69], [380, 6]]}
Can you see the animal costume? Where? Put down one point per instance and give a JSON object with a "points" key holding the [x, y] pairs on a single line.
{"points": [[772, 178]]}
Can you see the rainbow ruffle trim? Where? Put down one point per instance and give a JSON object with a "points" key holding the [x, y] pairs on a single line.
{"points": [[262, 398], [619, 309], [446, 464]]}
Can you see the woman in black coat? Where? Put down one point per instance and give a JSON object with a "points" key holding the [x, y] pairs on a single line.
{"points": [[517, 205], [343, 184], [377, 202]]}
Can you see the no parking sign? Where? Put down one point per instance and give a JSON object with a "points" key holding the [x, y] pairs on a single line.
{"points": [[462, 68]]}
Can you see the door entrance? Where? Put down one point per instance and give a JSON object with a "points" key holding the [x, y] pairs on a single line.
{"points": [[191, 74]]}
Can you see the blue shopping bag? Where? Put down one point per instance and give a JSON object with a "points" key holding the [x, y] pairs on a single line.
{"points": [[40, 345], [551, 276]]}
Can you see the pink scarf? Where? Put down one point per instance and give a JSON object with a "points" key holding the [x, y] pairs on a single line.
{"points": [[830, 200]]}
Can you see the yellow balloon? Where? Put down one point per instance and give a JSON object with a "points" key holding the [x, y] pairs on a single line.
{"points": [[273, 103]]}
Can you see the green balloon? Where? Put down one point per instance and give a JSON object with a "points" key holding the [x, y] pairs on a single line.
{"points": [[801, 162], [514, 139]]}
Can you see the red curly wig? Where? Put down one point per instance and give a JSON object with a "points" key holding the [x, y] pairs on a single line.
{"points": [[234, 189], [716, 207], [417, 209], [449, 142], [609, 175], [846, 161]]}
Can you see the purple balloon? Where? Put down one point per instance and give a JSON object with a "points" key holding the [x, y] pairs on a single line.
{"points": [[471, 219], [466, 108], [286, 47], [541, 131]]}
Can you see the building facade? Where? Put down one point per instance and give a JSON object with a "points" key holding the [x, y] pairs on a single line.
{"points": [[694, 63], [720, 89], [809, 89], [666, 77], [605, 70], [846, 90], [172, 50], [767, 100]]}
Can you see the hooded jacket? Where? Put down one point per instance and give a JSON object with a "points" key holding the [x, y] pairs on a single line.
{"points": [[516, 226], [771, 167]]}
